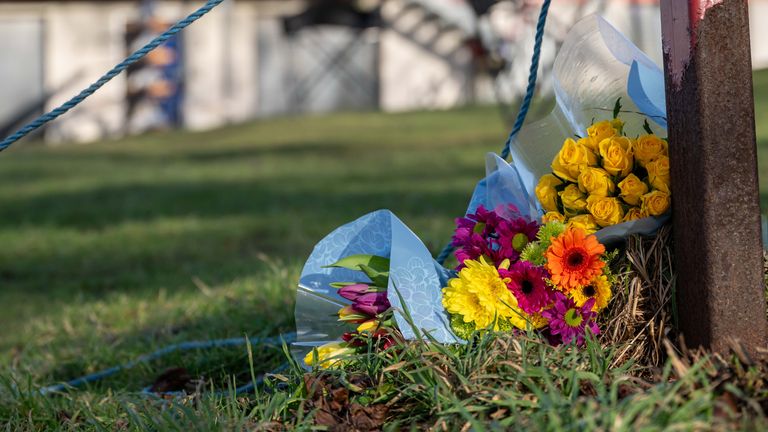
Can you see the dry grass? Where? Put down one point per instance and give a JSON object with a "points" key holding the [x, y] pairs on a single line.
{"points": [[640, 316]]}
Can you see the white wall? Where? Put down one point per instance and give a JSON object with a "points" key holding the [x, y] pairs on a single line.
{"points": [[420, 67], [229, 80]]}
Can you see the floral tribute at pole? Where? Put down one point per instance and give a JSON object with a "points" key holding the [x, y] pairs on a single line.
{"points": [[532, 250]]}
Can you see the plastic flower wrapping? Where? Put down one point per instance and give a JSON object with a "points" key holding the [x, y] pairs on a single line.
{"points": [[530, 251]]}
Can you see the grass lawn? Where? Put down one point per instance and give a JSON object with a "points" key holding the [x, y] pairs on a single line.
{"points": [[114, 249]]}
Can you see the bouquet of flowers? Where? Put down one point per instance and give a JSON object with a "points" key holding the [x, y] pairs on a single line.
{"points": [[512, 275], [527, 258], [516, 274], [607, 178]]}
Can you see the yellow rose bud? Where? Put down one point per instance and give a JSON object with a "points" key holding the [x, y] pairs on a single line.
{"points": [[598, 132], [552, 217], [658, 173], [368, 326], [634, 214], [617, 155], [649, 147], [606, 211], [596, 181], [546, 193], [585, 222], [632, 189], [574, 201], [618, 124], [656, 203], [571, 159], [328, 355]]}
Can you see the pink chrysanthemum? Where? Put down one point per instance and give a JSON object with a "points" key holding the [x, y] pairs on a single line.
{"points": [[568, 321], [489, 234], [474, 234], [526, 281], [513, 235]]}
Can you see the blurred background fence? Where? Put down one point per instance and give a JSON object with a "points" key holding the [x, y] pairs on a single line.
{"points": [[260, 58]]}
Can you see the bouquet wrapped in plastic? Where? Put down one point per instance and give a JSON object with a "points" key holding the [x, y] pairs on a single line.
{"points": [[527, 258]]}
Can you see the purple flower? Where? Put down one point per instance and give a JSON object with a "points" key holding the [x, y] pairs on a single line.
{"points": [[474, 247], [513, 235], [489, 234], [372, 303], [528, 286], [482, 222], [568, 321], [353, 292]]}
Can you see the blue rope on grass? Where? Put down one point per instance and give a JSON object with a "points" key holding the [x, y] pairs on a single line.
{"points": [[524, 107], [184, 346], [125, 64], [248, 388]]}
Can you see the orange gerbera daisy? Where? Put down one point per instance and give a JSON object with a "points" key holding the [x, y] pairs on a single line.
{"points": [[573, 259]]}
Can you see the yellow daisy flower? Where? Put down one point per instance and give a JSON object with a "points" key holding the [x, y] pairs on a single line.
{"points": [[599, 289], [480, 296]]}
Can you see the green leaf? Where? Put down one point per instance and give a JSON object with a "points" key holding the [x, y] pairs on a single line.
{"points": [[354, 262], [647, 127], [617, 108], [378, 278], [340, 285]]}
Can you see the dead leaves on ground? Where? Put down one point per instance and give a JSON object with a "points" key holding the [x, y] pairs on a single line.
{"points": [[333, 403]]}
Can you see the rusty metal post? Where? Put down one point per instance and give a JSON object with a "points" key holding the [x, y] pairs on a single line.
{"points": [[713, 157]]}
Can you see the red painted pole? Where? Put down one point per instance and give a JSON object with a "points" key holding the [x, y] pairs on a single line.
{"points": [[713, 158]]}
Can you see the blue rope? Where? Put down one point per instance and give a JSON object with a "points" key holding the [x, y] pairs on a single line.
{"points": [[125, 64], [247, 388], [532, 75], [184, 346], [524, 107], [445, 253]]}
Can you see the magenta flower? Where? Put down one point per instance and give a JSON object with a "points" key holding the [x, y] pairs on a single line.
{"points": [[353, 292], [489, 234], [528, 286], [483, 223], [474, 247], [513, 235], [568, 321], [474, 235], [372, 303]]}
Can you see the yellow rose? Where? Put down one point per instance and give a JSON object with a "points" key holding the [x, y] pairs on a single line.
{"points": [[606, 211], [574, 201], [571, 159], [588, 143], [585, 222], [598, 132], [648, 148], [546, 193], [617, 155], [658, 173], [656, 203], [595, 181], [552, 217], [632, 188], [618, 124], [634, 214]]}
